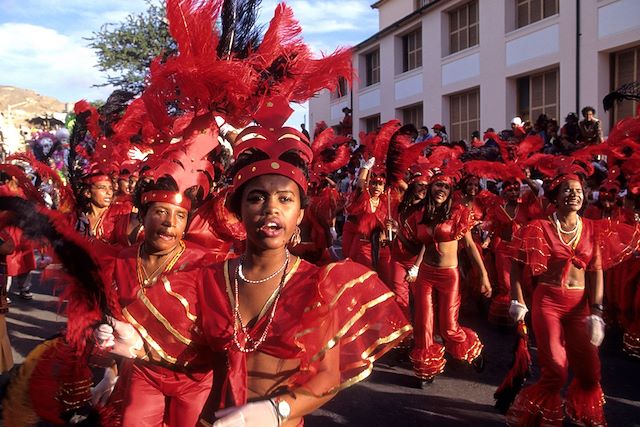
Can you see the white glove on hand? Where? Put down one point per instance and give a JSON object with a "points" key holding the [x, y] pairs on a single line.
{"points": [[517, 311], [122, 338], [369, 163], [255, 414], [136, 154], [412, 273], [595, 329], [101, 392], [334, 233]]}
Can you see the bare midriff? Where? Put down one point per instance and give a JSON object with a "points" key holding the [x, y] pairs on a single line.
{"points": [[444, 255]]}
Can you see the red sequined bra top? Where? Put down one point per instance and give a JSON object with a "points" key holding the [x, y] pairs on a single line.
{"points": [[459, 223]]}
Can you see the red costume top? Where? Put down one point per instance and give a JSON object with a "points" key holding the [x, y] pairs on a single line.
{"points": [[455, 227], [504, 226], [165, 312], [362, 212], [601, 245], [595, 211], [342, 303]]}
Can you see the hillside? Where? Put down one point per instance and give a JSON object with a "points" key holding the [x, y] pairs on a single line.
{"points": [[26, 104]]}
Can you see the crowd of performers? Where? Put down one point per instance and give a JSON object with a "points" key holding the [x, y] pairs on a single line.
{"points": [[201, 290]]}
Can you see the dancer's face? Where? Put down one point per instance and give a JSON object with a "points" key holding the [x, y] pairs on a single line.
{"points": [[164, 226], [101, 193], [570, 196], [440, 191], [472, 187], [271, 211]]}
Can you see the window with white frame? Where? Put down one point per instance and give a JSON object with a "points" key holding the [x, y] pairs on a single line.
{"points": [[530, 11], [372, 68], [625, 69], [412, 50], [538, 94], [464, 27], [464, 110]]}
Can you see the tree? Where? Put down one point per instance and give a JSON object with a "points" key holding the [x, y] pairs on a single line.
{"points": [[126, 50]]}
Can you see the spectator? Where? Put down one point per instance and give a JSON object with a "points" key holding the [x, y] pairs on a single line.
{"points": [[423, 134], [569, 133], [552, 144], [589, 129], [476, 141], [304, 131], [441, 131]]}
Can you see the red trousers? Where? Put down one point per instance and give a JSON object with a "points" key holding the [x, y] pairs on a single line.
{"points": [[499, 308], [462, 343], [558, 316], [157, 396], [349, 233], [399, 285]]}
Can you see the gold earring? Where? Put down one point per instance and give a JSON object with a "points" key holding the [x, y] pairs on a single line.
{"points": [[295, 238]]}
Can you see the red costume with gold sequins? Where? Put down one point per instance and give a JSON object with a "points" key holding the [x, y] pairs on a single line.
{"points": [[165, 315], [342, 304]]}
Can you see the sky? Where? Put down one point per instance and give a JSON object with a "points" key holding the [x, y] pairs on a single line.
{"points": [[43, 43]]}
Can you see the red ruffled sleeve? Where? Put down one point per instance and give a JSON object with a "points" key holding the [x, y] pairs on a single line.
{"points": [[617, 242], [531, 247], [354, 313]]}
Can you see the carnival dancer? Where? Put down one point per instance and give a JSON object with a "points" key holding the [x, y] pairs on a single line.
{"points": [[291, 337], [406, 255], [505, 219], [156, 279], [440, 226], [562, 253]]}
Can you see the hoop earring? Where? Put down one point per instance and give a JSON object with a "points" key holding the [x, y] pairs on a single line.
{"points": [[295, 238]]}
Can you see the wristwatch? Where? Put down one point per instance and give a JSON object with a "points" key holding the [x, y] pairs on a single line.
{"points": [[283, 410]]}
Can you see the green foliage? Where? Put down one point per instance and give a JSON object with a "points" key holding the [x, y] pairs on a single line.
{"points": [[126, 50]]}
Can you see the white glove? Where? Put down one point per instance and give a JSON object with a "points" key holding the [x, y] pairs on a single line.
{"points": [[517, 311], [255, 414], [101, 392], [595, 329], [334, 233], [136, 154], [413, 271], [124, 340], [369, 163]]}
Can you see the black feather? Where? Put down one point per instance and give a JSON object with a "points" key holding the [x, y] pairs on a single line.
{"points": [[630, 91], [74, 168], [239, 33], [113, 109]]}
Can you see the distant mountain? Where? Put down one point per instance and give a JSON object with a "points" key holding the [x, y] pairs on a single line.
{"points": [[26, 104]]}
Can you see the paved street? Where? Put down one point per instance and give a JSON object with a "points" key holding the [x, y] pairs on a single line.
{"points": [[389, 398]]}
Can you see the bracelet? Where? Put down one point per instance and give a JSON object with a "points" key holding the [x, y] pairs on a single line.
{"points": [[598, 307]]}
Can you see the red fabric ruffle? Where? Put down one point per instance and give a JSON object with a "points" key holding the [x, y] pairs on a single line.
{"points": [[429, 362], [534, 407], [467, 350], [586, 406]]}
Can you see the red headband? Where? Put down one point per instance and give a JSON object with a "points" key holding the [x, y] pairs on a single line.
{"points": [[442, 178], [163, 196], [563, 178]]}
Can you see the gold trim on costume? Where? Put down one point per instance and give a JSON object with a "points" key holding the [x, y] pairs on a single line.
{"points": [[343, 289], [183, 300], [148, 338], [156, 313]]}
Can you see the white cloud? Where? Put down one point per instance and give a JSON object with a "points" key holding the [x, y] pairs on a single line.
{"points": [[48, 62]]}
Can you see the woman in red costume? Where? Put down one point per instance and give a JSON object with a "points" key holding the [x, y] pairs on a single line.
{"points": [[505, 219], [405, 252], [562, 253], [479, 202], [440, 226], [171, 377], [294, 333], [368, 211]]}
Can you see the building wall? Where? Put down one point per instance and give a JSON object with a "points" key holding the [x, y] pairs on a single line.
{"points": [[503, 55]]}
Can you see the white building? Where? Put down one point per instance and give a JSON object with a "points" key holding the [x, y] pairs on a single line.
{"points": [[476, 64]]}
